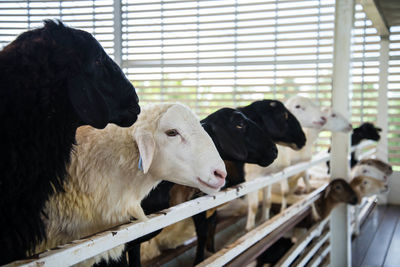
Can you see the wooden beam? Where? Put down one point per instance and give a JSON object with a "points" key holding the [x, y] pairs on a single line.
{"points": [[377, 19], [228, 253], [302, 243], [253, 252]]}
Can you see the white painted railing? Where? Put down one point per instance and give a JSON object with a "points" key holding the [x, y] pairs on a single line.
{"points": [[83, 249]]}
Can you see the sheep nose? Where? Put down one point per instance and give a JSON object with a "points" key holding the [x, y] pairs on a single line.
{"points": [[220, 174], [323, 119], [354, 200]]}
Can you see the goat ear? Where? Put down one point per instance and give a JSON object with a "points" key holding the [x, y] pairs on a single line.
{"points": [[327, 190], [88, 103], [234, 149], [147, 147]]}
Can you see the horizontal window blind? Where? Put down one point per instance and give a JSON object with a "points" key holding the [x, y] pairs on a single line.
{"points": [[394, 98], [210, 54], [95, 16]]}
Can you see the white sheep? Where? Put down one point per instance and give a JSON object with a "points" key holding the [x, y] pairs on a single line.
{"points": [[105, 183], [335, 122], [368, 170], [367, 180], [309, 115]]}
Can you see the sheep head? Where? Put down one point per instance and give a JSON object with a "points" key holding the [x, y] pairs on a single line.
{"points": [[335, 121], [367, 186], [238, 138], [379, 164], [72, 64], [339, 191], [369, 170], [306, 111], [179, 150], [365, 131], [278, 122]]}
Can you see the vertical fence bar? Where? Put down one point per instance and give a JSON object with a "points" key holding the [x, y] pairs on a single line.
{"points": [[382, 120], [118, 32], [340, 224]]}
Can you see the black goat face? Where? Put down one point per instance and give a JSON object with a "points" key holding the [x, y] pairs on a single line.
{"points": [[280, 123], [99, 91], [238, 138], [369, 131]]}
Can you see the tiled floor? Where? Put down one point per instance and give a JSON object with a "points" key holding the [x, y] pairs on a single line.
{"points": [[379, 240]]}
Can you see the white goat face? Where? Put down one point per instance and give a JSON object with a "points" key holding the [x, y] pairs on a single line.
{"points": [[370, 171], [335, 121], [306, 111], [183, 152]]}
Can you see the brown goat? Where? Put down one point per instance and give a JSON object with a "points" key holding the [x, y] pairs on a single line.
{"points": [[338, 191], [366, 186]]}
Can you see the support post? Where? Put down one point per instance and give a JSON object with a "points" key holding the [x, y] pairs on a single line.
{"points": [[118, 32], [340, 223], [382, 120]]}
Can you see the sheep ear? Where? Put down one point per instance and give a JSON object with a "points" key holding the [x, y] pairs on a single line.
{"points": [[88, 103], [147, 147]]}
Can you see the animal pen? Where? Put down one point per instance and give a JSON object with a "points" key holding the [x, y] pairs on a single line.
{"points": [[345, 54]]}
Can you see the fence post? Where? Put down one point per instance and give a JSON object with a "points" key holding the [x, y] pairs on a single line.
{"points": [[382, 120], [339, 223]]}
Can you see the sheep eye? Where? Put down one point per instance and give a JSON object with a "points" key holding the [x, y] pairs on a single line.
{"points": [[365, 171], [98, 62], [365, 182], [286, 115], [338, 187], [333, 115], [172, 132], [297, 106]]}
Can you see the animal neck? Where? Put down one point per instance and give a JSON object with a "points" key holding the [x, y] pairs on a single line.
{"points": [[235, 172], [325, 205], [306, 152], [311, 135], [356, 137]]}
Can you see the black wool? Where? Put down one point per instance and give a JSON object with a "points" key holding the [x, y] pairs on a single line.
{"points": [[49, 86]]}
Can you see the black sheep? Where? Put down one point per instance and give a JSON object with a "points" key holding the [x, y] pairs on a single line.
{"points": [[274, 118], [236, 138], [282, 127], [366, 131], [53, 80]]}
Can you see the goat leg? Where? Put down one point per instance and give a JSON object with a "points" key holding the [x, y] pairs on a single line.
{"points": [[252, 199], [266, 203], [200, 223], [306, 179], [284, 193], [212, 225]]}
